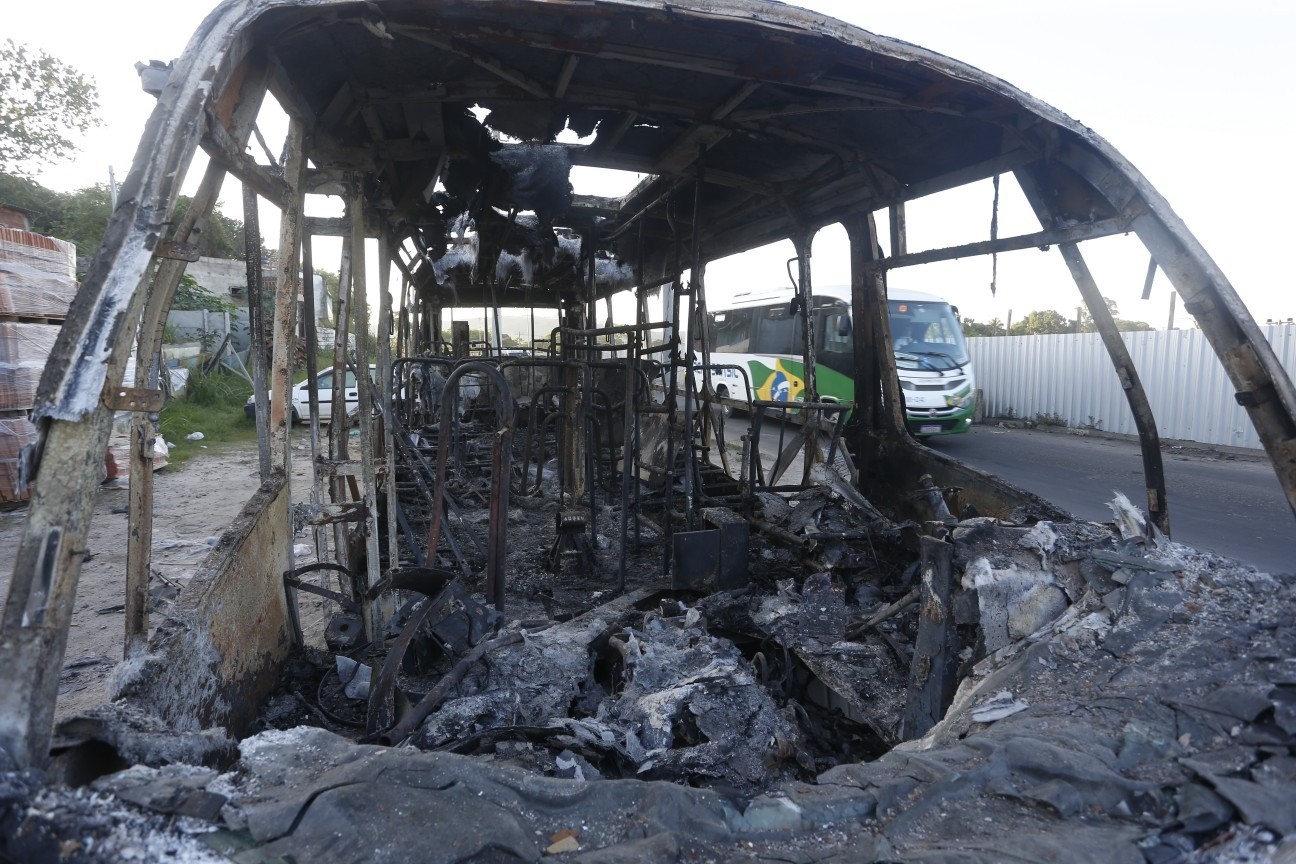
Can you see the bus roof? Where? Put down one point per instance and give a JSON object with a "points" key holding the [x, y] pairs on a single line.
{"points": [[762, 297]]}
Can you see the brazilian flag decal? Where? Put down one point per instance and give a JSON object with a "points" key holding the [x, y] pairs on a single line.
{"points": [[783, 383]]}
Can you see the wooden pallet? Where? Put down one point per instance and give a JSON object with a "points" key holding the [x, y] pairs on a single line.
{"points": [[57, 320]]}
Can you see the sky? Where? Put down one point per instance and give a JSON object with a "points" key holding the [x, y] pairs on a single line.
{"points": [[1191, 92]]}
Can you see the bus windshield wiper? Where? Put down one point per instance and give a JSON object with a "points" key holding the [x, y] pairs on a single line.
{"points": [[914, 358], [954, 364]]}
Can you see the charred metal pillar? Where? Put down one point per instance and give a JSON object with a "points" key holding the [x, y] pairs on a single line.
{"points": [[865, 335], [386, 466], [933, 676], [139, 544], [1135, 395], [805, 300], [338, 445], [694, 310], [312, 391], [238, 110], [256, 326], [877, 383], [1263, 386], [364, 394], [286, 287], [574, 479], [899, 229]]}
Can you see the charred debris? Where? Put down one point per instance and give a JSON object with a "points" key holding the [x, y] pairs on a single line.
{"points": [[577, 562]]}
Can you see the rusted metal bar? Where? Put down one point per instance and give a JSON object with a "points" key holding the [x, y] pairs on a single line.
{"points": [[1140, 407], [256, 326], [387, 391], [139, 537], [1118, 351], [89, 357], [139, 552], [797, 541], [374, 616], [805, 299], [229, 154], [588, 242], [931, 495], [501, 472], [869, 302], [571, 434], [378, 714], [312, 389], [338, 444], [889, 611], [899, 233], [1010, 161], [934, 673], [627, 457], [864, 334], [423, 476], [403, 322], [285, 308], [1040, 239], [1264, 388], [696, 274], [428, 703]]}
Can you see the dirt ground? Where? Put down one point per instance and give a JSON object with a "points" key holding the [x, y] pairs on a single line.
{"points": [[192, 505]]}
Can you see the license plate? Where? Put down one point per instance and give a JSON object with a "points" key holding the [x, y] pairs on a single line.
{"points": [[929, 429]]}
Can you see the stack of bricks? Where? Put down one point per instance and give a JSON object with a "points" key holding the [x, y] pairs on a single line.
{"points": [[37, 283]]}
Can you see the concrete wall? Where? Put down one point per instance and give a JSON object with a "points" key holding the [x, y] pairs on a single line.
{"points": [[218, 654], [226, 278], [189, 326]]}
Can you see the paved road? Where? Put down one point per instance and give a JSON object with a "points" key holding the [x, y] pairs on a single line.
{"points": [[1232, 506]]}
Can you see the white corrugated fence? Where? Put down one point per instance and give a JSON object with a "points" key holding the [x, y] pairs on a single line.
{"points": [[1071, 377]]}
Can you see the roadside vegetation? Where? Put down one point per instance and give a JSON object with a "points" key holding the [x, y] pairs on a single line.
{"points": [[1050, 321], [213, 405]]}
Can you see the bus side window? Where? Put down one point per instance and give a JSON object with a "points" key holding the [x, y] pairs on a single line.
{"points": [[731, 331], [776, 332], [836, 328]]}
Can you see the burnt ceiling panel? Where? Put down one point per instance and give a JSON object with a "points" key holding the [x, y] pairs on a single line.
{"points": [[793, 129]]}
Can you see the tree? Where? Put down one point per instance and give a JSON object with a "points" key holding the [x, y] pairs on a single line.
{"points": [[1087, 322], [83, 218], [221, 237], [1126, 325], [192, 297], [1041, 322], [972, 327], [42, 100]]}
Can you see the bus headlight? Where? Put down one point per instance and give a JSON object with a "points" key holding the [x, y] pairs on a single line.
{"points": [[960, 401]]}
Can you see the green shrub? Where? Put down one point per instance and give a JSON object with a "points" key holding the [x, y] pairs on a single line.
{"points": [[213, 405]]}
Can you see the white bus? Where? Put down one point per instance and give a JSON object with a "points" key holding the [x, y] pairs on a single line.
{"points": [[759, 333]]}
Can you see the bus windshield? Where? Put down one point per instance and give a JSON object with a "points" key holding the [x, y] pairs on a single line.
{"points": [[926, 335]]}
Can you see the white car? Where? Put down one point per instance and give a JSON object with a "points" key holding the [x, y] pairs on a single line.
{"points": [[301, 396]]}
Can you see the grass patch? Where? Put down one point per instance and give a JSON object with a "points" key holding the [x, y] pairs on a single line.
{"points": [[213, 405]]}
